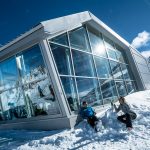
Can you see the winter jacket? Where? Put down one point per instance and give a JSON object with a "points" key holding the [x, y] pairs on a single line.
{"points": [[125, 108], [86, 112]]}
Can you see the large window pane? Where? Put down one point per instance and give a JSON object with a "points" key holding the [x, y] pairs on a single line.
{"points": [[130, 87], [40, 98], [108, 90], [61, 39], [112, 54], [79, 40], [121, 88], [125, 72], [120, 54], [109, 43], [115, 69], [103, 68], [8, 74], [83, 64], [13, 104], [62, 59], [70, 90], [38, 91], [31, 65], [88, 90], [97, 43]]}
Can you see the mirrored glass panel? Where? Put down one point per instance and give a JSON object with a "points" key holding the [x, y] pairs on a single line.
{"points": [[109, 43], [70, 90], [38, 91], [120, 56], [40, 98], [13, 104], [62, 58], [61, 39], [116, 70], [83, 64], [103, 68], [112, 54], [8, 74], [31, 65], [125, 72], [109, 91], [79, 39], [89, 91], [121, 88], [97, 43], [130, 87]]}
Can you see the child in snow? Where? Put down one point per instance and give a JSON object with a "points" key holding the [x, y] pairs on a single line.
{"points": [[88, 113], [128, 114]]}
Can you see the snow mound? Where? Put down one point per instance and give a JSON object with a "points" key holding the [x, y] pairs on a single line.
{"points": [[112, 135]]}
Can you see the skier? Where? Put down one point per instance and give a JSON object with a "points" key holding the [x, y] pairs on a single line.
{"points": [[88, 113], [128, 114]]}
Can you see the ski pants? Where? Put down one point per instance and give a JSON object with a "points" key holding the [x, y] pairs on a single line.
{"points": [[91, 120], [125, 119]]}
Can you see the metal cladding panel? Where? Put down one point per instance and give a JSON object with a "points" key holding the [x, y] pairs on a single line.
{"points": [[143, 69], [65, 23], [146, 79]]}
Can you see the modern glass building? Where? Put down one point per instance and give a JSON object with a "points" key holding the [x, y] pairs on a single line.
{"points": [[46, 73]]}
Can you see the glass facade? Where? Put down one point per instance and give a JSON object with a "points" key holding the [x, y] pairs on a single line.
{"points": [[25, 89], [91, 67]]}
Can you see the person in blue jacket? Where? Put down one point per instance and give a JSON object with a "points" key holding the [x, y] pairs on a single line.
{"points": [[88, 113]]}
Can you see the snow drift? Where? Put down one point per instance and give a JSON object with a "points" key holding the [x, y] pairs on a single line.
{"points": [[113, 135]]}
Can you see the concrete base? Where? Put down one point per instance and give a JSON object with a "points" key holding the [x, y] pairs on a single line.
{"points": [[46, 124]]}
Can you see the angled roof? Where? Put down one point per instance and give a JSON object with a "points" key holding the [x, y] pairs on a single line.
{"points": [[66, 23]]}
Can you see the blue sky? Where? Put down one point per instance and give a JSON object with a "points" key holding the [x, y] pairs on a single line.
{"points": [[129, 18]]}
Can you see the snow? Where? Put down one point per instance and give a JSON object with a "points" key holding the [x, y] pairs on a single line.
{"points": [[112, 136]]}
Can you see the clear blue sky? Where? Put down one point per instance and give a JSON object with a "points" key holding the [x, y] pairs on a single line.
{"points": [[126, 17]]}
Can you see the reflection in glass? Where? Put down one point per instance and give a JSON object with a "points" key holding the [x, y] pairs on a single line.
{"points": [[120, 56], [79, 40], [108, 90], [103, 68], [121, 88], [70, 90], [109, 43], [13, 105], [112, 54], [130, 87], [31, 65], [8, 74], [89, 91], [40, 98], [83, 64], [125, 72], [62, 59], [97, 43], [61, 39], [115, 69]]}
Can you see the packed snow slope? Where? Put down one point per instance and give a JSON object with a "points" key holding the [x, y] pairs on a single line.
{"points": [[113, 136]]}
